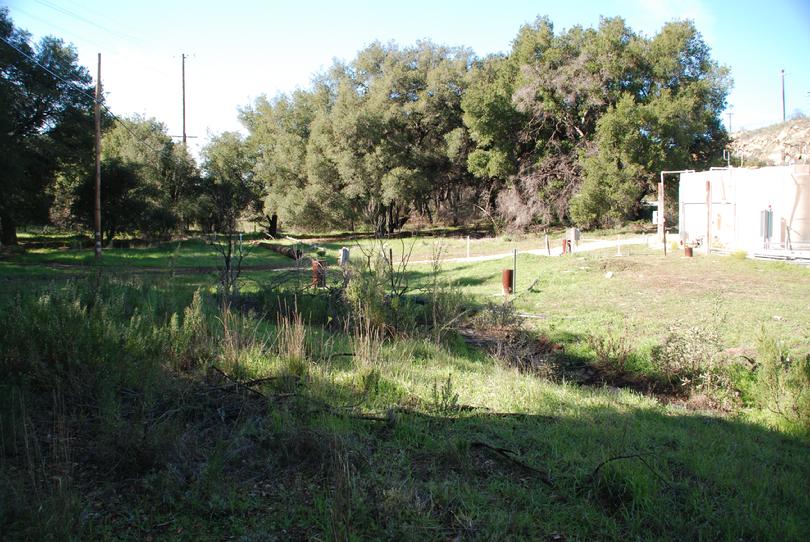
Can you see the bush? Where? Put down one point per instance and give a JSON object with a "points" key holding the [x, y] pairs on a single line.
{"points": [[376, 290], [783, 383], [612, 350], [447, 303], [687, 359]]}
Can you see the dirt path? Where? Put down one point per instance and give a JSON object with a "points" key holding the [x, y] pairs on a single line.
{"points": [[556, 251]]}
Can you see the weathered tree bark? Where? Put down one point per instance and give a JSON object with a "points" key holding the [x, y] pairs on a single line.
{"points": [[286, 250]]}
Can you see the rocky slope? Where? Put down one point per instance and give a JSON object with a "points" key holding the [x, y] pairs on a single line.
{"points": [[778, 144]]}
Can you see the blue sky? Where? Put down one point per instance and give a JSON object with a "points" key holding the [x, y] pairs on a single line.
{"points": [[241, 49]]}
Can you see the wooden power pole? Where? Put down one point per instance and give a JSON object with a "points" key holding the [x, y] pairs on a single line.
{"points": [[784, 115], [183, 56], [98, 160]]}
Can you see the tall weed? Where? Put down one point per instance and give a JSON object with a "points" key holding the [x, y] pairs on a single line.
{"points": [[783, 382]]}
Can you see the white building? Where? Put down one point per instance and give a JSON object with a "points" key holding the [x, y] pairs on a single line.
{"points": [[762, 210]]}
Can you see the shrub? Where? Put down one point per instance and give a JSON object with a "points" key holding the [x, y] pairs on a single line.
{"points": [[739, 254], [447, 303], [783, 382], [444, 399], [376, 290], [292, 344], [189, 341], [612, 350], [686, 360]]}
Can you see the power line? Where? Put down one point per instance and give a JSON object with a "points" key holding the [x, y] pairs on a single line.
{"points": [[78, 17], [62, 30], [82, 38], [84, 93]]}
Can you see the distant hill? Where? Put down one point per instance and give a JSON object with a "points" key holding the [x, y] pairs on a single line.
{"points": [[783, 143]]}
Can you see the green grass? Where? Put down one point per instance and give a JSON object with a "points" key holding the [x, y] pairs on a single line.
{"points": [[398, 445], [191, 254], [647, 293]]}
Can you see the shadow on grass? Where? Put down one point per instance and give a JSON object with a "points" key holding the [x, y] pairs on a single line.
{"points": [[685, 476], [308, 456]]}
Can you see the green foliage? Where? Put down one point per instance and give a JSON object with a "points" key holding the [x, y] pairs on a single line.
{"points": [[612, 350], [591, 115], [686, 359], [444, 399], [569, 126], [447, 303], [376, 291], [229, 187], [190, 339], [165, 169], [127, 203], [783, 383], [403, 439], [371, 143], [46, 126], [90, 332]]}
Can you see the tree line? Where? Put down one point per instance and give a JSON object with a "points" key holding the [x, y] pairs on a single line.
{"points": [[567, 127]]}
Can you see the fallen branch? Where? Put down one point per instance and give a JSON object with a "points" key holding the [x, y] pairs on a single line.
{"points": [[237, 383], [266, 379], [508, 455]]}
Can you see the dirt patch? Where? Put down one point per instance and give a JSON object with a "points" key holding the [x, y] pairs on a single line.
{"points": [[619, 264]]}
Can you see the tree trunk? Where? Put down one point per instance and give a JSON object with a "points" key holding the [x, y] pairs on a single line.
{"points": [[8, 230], [392, 214], [455, 198], [274, 224]]}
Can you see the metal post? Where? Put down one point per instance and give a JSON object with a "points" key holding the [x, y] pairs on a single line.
{"points": [[708, 216], [514, 270], [661, 206]]}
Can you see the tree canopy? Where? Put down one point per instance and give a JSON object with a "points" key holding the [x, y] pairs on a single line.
{"points": [[568, 127], [373, 141], [576, 125], [46, 122]]}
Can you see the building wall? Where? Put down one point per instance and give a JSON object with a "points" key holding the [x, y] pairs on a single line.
{"points": [[737, 197]]}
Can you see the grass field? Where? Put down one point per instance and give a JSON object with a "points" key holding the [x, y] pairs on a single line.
{"points": [[646, 293], [121, 421]]}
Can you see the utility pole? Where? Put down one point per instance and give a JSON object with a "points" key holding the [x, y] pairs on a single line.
{"points": [[729, 113], [98, 159], [184, 136], [183, 57], [784, 117]]}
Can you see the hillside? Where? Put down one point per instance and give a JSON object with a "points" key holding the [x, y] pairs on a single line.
{"points": [[783, 143]]}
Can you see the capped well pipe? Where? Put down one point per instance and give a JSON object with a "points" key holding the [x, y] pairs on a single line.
{"points": [[507, 281]]}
